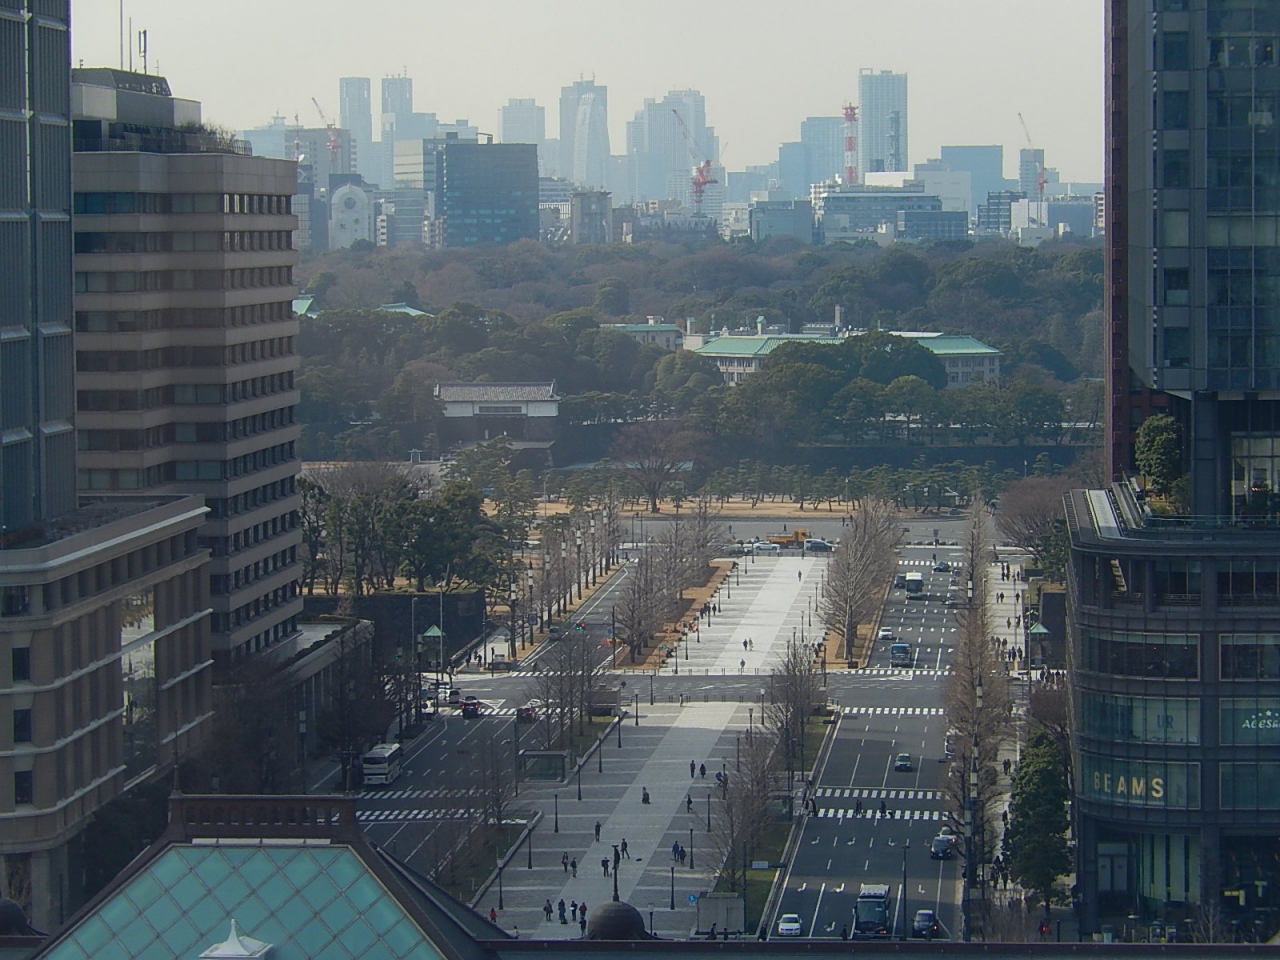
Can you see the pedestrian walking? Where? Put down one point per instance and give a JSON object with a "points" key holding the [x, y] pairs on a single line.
{"points": [[1007, 765], [751, 644], [644, 795], [675, 850], [702, 770], [547, 909], [883, 808], [1008, 622], [799, 574], [742, 665], [844, 932], [573, 866], [493, 915], [582, 909], [582, 924], [597, 831], [623, 847], [744, 643], [683, 855], [564, 862], [604, 865], [693, 771], [857, 809], [560, 907], [688, 803]]}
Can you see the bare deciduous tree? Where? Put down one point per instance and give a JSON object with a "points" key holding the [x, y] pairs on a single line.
{"points": [[859, 570]]}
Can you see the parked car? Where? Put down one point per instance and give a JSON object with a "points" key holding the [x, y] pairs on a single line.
{"points": [[902, 763], [925, 925], [789, 925]]}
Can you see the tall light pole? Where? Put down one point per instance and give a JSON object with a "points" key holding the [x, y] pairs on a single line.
{"points": [[578, 572], [557, 819], [905, 913]]}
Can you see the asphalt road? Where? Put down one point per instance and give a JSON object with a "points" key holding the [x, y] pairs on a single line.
{"points": [[888, 834]]}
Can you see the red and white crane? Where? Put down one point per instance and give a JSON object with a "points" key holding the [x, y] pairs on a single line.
{"points": [[702, 167], [335, 142]]}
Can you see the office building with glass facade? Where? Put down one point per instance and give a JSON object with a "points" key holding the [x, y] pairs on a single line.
{"points": [[1175, 600]]}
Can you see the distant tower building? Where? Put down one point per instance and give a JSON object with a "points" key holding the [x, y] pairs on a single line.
{"points": [[590, 217], [523, 121], [396, 122], [584, 133], [882, 121], [662, 142], [823, 139], [1031, 173], [985, 165], [351, 216], [355, 114], [397, 95]]}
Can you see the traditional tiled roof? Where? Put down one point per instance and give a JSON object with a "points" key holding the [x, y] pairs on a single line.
{"points": [[496, 392]]}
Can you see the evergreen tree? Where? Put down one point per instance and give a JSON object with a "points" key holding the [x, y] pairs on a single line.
{"points": [[1035, 841]]}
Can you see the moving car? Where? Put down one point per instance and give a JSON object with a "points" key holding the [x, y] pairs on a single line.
{"points": [[899, 581], [942, 848], [886, 633], [455, 697], [925, 925], [901, 655], [902, 763], [789, 925], [471, 708], [530, 712], [942, 567], [816, 546], [765, 547]]}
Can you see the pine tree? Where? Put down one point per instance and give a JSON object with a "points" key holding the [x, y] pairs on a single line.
{"points": [[1035, 842]]}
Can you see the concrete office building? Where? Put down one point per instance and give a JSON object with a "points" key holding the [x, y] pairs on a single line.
{"points": [[823, 139], [1033, 178], [104, 651], [523, 121], [355, 114], [590, 217], [584, 134], [985, 165], [882, 121], [1175, 653], [184, 352], [856, 212]]}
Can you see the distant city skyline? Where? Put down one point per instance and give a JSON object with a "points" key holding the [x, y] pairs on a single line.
{"points": [[973, 67]]}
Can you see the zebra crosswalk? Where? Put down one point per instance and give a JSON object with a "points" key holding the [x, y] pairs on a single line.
{"points": [[873, 813], [439, 793], [869, 793], [384, 816], [900, 672], [895, 711]]}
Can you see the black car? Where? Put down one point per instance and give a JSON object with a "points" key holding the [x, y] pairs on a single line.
{"points": [[942, 848], [925, 925]]}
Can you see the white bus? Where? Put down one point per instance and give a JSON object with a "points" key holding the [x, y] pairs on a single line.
{"points": [[914, 583], [382, 763]]}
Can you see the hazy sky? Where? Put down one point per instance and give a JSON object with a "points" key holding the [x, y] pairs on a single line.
{"points": [[763, 67]]}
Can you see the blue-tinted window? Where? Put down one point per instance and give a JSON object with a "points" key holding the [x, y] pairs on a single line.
{"points": [[1176, 111]]}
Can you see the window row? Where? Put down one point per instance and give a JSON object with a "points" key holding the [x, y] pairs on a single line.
{"points": [[225, 203], [1173, 656], [246, 576], [135, 281], [221, 508], [182, 318], [251, 536], [101, 401], [113, 361], [169, 433], [226, 622], [1242, 721], [212, 241], [236, 467], [267, 638]]}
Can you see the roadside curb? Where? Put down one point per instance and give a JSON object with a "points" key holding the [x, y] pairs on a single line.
{"points": [[793, 840], [525, 834]]}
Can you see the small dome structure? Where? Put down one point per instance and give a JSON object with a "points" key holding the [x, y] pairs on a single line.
{"points": [[13, 920], [616, 920]]}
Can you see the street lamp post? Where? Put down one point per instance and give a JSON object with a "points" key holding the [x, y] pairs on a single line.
{"points": [[905, 913], [557, 808], [637, 708], [691, 848], [579, 782], [673, 887], [501, 905], [578, 573], [708, 811], [651, 689]]}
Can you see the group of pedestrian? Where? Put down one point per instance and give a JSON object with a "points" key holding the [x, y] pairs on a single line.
{"points": [[575, 913], [698, 769], [678, 852], [748, 644], [999, 874]]}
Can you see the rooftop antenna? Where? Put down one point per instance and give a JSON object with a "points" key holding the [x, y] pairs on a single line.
{"points": [[121, 34], [131, 46], [142, 48]]}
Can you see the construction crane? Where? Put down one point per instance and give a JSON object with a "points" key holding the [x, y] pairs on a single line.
{"points": [[1040, 176], [335, 142], [701, 169], [850, 143]]}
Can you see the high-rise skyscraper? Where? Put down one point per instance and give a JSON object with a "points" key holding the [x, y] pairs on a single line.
{"points": [[1174, 579], [663, 141], [1031, 173], [823, 139], [397, 94], [523, 121], [584, 133], [882, 121], [355, 115], [37, 363]]}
